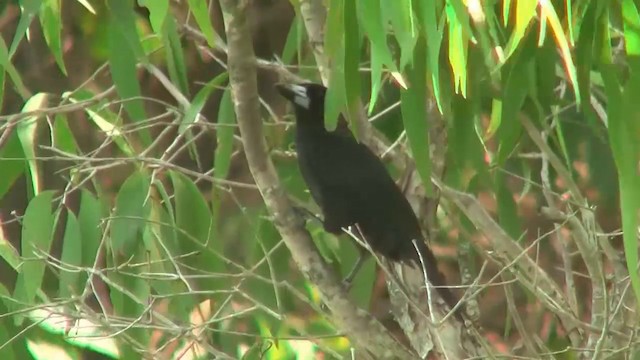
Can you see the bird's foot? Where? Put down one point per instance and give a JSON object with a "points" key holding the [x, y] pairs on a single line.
{"points": [[306, 213], [347, 282]]}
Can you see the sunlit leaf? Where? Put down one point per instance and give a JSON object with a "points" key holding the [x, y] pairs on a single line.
{"points": [[27, 132], [525, 13], [547, 11], [458, 51]]}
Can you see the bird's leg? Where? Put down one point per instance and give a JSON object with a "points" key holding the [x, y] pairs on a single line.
{"points": [[362, 257], [363, 254], [306, 213]]}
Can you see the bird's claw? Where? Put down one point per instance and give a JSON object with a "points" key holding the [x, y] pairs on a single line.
{"points": [[347, 283]]}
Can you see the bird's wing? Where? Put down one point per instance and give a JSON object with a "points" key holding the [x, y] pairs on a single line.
{"points": [[358, 176]]}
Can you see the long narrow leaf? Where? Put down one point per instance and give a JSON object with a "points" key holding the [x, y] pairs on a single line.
{"points": [[414, 115], [37, 234]]}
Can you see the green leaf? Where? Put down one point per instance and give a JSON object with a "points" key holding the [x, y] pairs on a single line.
{"points": [[105, 120], [334, 32], [194, 222], [563, 44], [336, 94], [224, 149], [6, 339], [63, 138], [9, 253], [506, 7], [30, 9], [158, 13], [163, 244], [458, 53], [89, 218], [191, 113], [335, 50], [495, 120], [295, 37], [51, 21], [507, 209], [12, 163], [37, 234], [12, 347], [70, 284], [433, 36], [175, 57], [585, 54], [27, 130], [525, 12], [129, 293], [631, 24], [414, 116], [351, 62], [123, 20], [370, 17], [129, 217], [514, 94], [400, 14], [466, 145], [544, 78], [224, 135], [200, 11], [124, 51], [376, 81], [7, 66], [192, 213], [2, 78], [456, 11]]}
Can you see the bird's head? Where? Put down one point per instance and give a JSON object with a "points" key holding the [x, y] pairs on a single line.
{"points": [[307, 98]]}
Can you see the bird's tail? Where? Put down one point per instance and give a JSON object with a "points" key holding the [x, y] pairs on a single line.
{"points": [[427, 262]]}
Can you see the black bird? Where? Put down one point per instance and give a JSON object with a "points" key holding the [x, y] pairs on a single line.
{"points": [[352, 187]]}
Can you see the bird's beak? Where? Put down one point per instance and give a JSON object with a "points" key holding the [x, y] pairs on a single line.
{"points": [[297, 94]]}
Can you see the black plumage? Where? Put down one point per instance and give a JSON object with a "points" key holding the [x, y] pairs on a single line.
{"points": [[352, 186]]}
